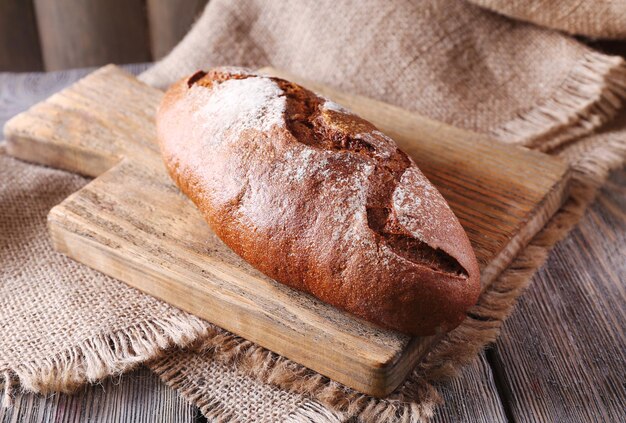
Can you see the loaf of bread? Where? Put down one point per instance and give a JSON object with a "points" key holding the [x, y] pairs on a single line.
{"points": [[318, 199]]}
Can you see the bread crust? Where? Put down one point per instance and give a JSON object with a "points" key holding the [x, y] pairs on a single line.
{"points": [[318, 199]]}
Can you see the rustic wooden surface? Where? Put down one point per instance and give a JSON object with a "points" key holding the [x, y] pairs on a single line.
{"points": [[481, 402], [78, 33], [563, 354], [19, 40], [169, 21], [138, 397], [89, 127], [62, 34], [516, 395]]}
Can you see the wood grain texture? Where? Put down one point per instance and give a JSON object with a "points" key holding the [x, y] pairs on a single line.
{"points": [[78, 33], [562, 355], [133, 224], [169, 21], [138, 397], [19, 40], [19, 91], [471, 397]]}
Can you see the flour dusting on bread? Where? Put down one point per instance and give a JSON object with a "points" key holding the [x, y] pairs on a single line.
{"points": [[331, 105], [232, 106]]}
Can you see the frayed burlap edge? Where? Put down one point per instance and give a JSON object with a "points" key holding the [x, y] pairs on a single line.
{"points": [[101, 356], [271, 368], [590, 96], [314, 412]]}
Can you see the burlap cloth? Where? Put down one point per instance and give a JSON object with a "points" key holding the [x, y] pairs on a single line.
{"points": [[64, 324], [592, 18]]}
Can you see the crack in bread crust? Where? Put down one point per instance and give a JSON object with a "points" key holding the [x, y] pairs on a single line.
{"points": [[306, 123]]}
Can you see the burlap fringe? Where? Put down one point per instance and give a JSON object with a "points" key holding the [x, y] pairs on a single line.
{"points": [[274, 369], [589, 97], [101, 356], [314, 412]]}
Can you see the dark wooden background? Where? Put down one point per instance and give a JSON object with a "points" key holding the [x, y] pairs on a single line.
{"points": [[61, 34]]}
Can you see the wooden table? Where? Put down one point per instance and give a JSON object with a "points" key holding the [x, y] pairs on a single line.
{"points": [[561, 356]]}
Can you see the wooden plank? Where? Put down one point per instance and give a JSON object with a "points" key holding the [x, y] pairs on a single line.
{"points": [[562, 355], [22, 90], [19, 41], [169, 21], [78, 33], [471, 397], [138, 396], [132, 223]]}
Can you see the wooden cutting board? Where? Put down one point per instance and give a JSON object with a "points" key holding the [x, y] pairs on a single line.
{"points": [[132, 223]]}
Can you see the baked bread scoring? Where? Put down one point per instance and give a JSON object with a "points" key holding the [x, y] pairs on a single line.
{"points": [[318, 199]]}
